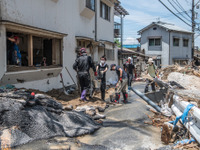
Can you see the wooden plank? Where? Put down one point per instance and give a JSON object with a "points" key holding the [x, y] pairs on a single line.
{"points": [[30, 50], [54, 51]]}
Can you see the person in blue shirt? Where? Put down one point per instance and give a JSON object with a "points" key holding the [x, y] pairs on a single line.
{"points": [[16, 56], [121, 84]]}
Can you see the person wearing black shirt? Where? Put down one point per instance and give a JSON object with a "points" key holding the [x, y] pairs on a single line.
{"points": [[82, 65], [121, 84], [102, 68], [129, 68]]}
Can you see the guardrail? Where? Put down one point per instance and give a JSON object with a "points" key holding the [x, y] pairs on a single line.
{"points": [[193, 118]]}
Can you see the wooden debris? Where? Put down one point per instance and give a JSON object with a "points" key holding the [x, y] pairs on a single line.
{"points": [[192, 146], [176, 68], [166, 134], [158, 119]]}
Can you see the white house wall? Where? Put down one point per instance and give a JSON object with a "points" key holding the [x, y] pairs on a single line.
{"points": [[164, 39], [60, 16], [105, 28], [180, 51]]}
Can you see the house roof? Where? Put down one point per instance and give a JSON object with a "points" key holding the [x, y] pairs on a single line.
{"points": [[128, 51], [119, 10], [168, 26]]}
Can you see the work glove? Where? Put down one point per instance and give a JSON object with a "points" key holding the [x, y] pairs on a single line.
{"points": [[95, 74], [120, 79]]}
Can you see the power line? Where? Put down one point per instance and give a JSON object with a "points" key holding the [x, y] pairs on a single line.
{"points": [[174, 13], [181, 7], [178, 11]]}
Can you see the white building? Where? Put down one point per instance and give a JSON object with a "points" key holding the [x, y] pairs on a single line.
{"points": [[166, 43], [54, 29]]}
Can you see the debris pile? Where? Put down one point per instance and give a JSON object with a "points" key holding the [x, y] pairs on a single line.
{"points": [[176, 68], [180, 120], [25, 117], [158, 119]]}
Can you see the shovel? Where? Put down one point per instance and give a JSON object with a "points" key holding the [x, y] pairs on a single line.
{"points": [[64, 90], [75, 86]]}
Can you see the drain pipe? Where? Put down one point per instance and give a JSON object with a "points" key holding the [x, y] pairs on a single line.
{"points": [[146, 99], [95, 21]]}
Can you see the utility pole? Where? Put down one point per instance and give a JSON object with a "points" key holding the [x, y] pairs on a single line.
{"points": [[193, 26], [122, 32]]}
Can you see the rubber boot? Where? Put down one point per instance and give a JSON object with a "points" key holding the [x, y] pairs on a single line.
{"points": [[103, 95], [125, 95], [83, 95], [117, 97]]}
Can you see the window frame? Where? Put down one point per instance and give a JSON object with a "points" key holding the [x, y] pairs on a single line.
{"points": [[154, 41], [175, 44], [57, 55], [105, 11], [90, 4], [110, 54], [184, 40]]}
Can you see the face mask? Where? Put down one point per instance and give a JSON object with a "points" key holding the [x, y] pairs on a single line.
{"points": [[102, 61]]}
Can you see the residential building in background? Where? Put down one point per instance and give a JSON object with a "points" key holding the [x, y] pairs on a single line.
{"points": [[166, 43], [54, 30]]}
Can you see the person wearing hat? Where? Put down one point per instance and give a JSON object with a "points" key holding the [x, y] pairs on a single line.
{"points": [[82, 65], [121, 84], [129, 68], [102, 68], [151, 70]]}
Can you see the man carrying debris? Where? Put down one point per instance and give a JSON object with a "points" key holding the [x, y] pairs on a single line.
{"points": [[129, 68], [102, 68], [151, 70], [121, 84], [82, 65]]}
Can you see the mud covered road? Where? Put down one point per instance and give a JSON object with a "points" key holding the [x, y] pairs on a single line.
{"points": [[123, 129]]}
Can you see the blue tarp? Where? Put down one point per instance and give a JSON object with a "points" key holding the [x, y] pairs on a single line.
{"points": [[183, 117], [131, 46]]}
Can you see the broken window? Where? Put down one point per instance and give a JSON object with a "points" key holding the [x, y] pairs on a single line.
{"points": [[185, 42], [90, 4], [35, 52], [22, 46], [176, 42], [104, 11]]}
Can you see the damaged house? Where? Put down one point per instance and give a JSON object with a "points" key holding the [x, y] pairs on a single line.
{"points": [[166, 43], [54, 30]]}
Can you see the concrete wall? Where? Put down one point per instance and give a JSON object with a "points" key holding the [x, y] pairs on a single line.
{"points": [[2, 51], [60, 16], [180, 51], [160, 32]]}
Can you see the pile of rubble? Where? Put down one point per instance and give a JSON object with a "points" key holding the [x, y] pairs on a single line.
{"points": [[189, 70], [180, 113], [24, 118]]}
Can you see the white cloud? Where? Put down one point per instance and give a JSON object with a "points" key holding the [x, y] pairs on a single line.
{"points": [[130, 41]]}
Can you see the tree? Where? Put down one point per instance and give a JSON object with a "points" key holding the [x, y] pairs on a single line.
{"points": [[118, 42]]}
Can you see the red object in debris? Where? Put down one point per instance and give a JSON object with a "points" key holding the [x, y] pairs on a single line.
{"points": [[32, 94]]}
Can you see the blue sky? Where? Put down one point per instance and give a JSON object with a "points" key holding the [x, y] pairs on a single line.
{"points": [[143, 12]]}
